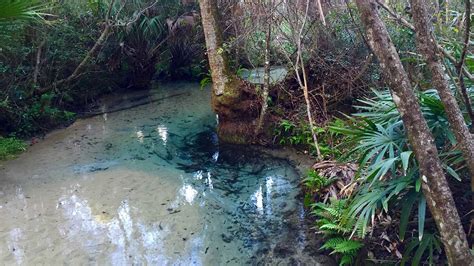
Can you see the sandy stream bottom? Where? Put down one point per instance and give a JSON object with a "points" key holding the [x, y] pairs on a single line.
{"points": [[151, 186]]}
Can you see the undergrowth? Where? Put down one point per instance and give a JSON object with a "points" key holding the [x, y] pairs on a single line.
{"points": [[382, 201], [10, 147]]}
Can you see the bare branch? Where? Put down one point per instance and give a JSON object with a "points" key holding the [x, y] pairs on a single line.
{"points": [[407, 24]]}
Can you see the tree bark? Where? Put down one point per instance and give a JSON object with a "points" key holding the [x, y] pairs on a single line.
{"points": [[38, 62], [460, 66], [434, 184], [266, 79], [234, 109], [427, 45], [221, 77], [408, 25]]}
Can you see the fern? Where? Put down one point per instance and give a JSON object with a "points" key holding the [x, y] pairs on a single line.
{"points": [[336, 227], [346, 260], [347, 248], [388, 176], [332, 243]]}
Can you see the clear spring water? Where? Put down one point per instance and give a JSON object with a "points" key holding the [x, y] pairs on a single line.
{"points": [[151, 185]]}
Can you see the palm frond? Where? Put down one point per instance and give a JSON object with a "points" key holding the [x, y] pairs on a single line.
{"points": [[21, 10]]}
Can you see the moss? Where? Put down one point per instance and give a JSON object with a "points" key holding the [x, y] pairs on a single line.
{"points": [[236, 132], [234, 139], [10, 147]]}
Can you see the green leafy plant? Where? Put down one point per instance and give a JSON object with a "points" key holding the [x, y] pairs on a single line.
{"points": [[20, 9], [388, 176], [416, 249], [300, 135], [336, 228], [314, 181], [10, 147], [347, 248], [205, 81]]}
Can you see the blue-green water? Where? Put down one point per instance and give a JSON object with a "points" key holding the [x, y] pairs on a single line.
{"points": [[151, 185]]}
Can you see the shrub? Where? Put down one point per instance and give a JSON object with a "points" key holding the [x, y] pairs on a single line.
{"points": [[10, 147]]}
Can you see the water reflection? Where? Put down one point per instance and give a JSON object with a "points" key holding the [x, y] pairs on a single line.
{"points": [[130, 239], [16, 235], [215, 156], [209, 180], [163, 133], [140, 136], [257, 198], [189, 193], [160, 190]]}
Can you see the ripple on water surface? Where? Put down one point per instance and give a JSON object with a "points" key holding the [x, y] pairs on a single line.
{"points": [[150, 185]]}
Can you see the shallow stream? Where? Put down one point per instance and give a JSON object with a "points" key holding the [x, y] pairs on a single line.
{"points": [[151, 185]]}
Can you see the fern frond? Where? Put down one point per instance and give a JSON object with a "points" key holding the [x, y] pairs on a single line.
{"points": [[332, 243], [348, 246]]}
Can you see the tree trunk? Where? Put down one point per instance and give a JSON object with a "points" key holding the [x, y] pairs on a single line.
{"points": [[427, 45], [434, 184], [303, 81], [91, 53], [266, 79], [221, 77], [38, 63], [228, 99], [408, 25], [460, 66], [308, 108]]}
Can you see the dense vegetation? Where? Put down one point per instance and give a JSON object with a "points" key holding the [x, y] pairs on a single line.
{"points": [[387, 122], [70, 53]]}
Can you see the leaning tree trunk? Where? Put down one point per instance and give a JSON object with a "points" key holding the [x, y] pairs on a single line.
{"points": [[228, 99], [460, 65], [434, 184], [427, 45]]}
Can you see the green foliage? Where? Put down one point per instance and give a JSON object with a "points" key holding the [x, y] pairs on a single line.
{"points": [[206, 81], [300, 135], [388, 177], [9, 147], [372, 199], [314, 181], [39, 115], [20, 10], [347, 248], [416, 249], [132, 55], [336, 228]]}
